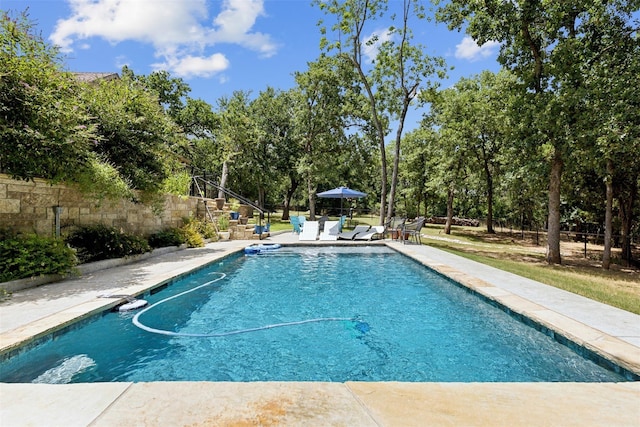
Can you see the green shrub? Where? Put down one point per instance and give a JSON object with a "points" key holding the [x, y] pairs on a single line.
{"points": [[223, 222], [28, 256], [167, 237], [98, 242], [206, 229], [192, 235]]}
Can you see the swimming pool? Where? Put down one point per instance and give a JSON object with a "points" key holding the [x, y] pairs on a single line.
{"points": [[386, 318]]}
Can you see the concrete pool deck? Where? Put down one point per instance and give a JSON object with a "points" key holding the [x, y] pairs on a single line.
{"points": [[605, 331]]}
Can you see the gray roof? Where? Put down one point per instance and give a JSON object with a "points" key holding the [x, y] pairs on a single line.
{"points": [[91, 77]]}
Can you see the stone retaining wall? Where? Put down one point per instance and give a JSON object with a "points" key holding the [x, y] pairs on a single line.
{"points": [[29, 207]]}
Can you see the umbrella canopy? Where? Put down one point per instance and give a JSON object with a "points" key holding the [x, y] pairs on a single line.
{"points": [[341, 193]]}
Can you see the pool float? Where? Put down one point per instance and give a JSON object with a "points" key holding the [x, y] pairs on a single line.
{"points": [[256, 249], [132, 304]]}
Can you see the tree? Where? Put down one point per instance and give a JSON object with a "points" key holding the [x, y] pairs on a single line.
{"points": [[44, 127], [539, 41], [277, 149], [611, 125], [417, 171], [319, 121], [136, 136], [236, 131], [449, 150], [477, 111], [398, 72]]}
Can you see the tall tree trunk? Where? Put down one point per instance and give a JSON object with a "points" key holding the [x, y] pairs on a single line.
{"points": [[312, 199], [608, 220], [626, 216], [490, 229], [287, 201], [223, 179], [447, 225], [396, 161], [394, 175], [553, 232], [383, 181]]}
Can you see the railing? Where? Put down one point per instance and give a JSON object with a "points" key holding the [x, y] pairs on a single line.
{"points": [[202, 179]]}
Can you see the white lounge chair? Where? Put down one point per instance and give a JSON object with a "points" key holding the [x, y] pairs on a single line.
{"points": [[377, 230], [309, 231], [331, 230], [349, 235]]}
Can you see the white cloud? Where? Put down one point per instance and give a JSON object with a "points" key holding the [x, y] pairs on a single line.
{"points": [[179, 30], [372, 43], [469, 49], [188, 66]]}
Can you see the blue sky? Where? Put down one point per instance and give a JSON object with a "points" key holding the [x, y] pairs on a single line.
{"points": [[217, 47]]}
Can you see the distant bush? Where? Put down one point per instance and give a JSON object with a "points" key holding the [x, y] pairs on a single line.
{"points": [[167, 237], [205, 228], [98, 242], [29, 256]]}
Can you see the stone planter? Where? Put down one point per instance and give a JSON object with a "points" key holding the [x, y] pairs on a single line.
{"points": [[243, 220], [246, 211], [219, 204], [224, 235]]}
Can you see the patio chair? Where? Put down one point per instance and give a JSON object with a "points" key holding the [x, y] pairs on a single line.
{"points": [[322, 220], [412, 229], [295, 222], [349, 235], [302, 219], [393, 226], [343, 219], [331, 230], [310, 231], [377, 231]]}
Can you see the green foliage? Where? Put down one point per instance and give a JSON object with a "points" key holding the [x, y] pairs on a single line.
{"points": [[207, 229], [178, 184], [98, 242], [223, 222], [29, 256], [168, 237], [204, 228], [102, 181], [193, 238], [44, 129], [135, 134]]}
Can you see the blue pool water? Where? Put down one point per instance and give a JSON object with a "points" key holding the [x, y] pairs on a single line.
{"points": [[358, 314]]}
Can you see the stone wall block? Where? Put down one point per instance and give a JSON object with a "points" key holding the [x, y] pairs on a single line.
{"points": [[10, 206]]}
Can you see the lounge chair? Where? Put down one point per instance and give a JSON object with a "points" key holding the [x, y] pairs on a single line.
{"points": [[310, 231], [331, 230], [349, 235], [377, 231], [412, 229], [295, 222]]}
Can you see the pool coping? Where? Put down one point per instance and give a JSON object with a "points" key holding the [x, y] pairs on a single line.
{"points": [[116, 396]]}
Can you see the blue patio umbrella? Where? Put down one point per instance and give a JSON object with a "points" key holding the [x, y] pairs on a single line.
{"points": [[341, 193]]}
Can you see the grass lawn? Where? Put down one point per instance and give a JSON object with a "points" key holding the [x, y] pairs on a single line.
{"points": [[524, 254]]}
